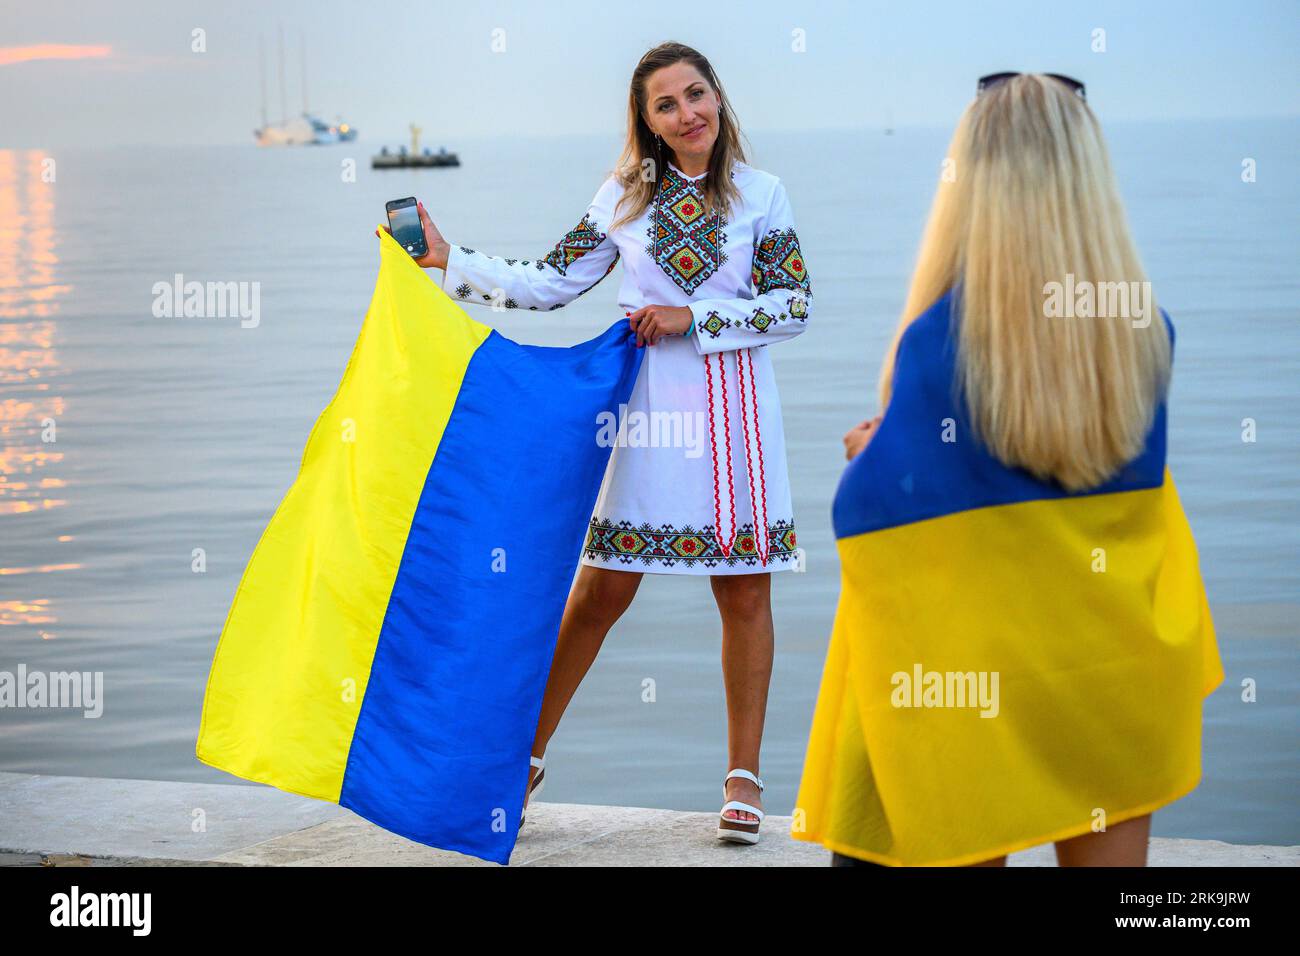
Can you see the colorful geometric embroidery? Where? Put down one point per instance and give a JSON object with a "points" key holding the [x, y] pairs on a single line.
{"points": [[685, 241], [760, 321], [668, 545], [778, 263], [713, 324], [577, 242]]}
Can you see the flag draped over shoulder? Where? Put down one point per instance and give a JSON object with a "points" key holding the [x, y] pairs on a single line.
{"points": [[389, 643], [1010, 664]]}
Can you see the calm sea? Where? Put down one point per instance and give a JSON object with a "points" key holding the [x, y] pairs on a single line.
{"points": [[180, 434]]}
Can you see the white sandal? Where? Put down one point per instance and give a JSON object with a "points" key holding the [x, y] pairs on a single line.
{"points": [[739, 831], [539, 781]]}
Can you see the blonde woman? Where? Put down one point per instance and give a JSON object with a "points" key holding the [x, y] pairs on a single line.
{"points": [[1022, 644], [712, 274]]}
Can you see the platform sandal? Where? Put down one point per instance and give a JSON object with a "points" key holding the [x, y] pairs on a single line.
{"points": [[739, 831]]}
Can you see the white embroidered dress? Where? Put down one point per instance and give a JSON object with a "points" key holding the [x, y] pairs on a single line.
{"points": [[699, 456]]}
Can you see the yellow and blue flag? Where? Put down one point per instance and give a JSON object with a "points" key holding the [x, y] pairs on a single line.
{"points": [[389, 643], [1010, 664]]}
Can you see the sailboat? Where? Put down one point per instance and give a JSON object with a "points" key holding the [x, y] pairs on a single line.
{"points": [[304, 130]]}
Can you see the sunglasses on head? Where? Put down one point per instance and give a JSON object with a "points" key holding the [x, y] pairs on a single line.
{"points": [[993, 79]]}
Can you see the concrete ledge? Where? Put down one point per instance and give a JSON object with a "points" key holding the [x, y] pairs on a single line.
{"points": [[92, 821]]}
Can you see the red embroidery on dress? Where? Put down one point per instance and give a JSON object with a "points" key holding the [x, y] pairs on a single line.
{"points": [[726, 425], [713, 444], [762, 470], [749, 467]]}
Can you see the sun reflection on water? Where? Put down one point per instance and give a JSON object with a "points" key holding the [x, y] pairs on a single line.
{"points": [[30, 408]]}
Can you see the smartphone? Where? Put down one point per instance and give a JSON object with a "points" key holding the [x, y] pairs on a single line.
{"points": [[404, 222]]}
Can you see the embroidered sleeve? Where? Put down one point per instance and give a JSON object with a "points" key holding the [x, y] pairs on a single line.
{"points": [[782, 292], [582, 257]]}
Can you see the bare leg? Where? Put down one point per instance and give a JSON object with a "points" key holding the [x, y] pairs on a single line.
{"points": [[1124, 844], [598, 599], [745, 604]]}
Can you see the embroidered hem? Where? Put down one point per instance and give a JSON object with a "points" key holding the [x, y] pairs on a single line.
{"points": [[668, 546]]}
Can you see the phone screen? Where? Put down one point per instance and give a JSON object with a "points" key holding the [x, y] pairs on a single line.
{"points": [[404, 221]]}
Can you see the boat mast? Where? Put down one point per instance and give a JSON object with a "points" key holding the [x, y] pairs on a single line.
{"points": [[261, 73], [284, 110], [302, 40]]}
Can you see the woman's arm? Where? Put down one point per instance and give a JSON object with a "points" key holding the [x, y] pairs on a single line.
{"points": [[782, 302], [583, 257]]}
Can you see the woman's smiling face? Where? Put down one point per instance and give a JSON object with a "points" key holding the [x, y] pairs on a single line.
{"points": [[682, 107]]}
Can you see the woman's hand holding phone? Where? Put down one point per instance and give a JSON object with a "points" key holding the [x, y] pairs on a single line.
{"points": [[439, 248]]}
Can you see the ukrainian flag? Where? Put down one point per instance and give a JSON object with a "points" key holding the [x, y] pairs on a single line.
{"points": [[390, 640], [1010, 664]]}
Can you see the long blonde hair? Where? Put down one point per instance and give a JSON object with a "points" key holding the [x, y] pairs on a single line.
{"points": [[1029, 200], [643, 153]]}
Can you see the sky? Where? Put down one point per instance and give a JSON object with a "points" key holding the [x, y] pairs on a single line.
{"points": [[76, 73]]}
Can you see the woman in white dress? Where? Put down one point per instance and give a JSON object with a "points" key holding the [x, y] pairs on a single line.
{"points": [[697, 481]]}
